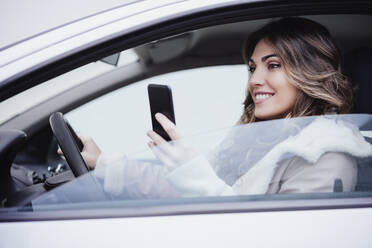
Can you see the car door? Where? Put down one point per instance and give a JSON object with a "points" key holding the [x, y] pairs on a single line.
{"points": [[109, 102]]}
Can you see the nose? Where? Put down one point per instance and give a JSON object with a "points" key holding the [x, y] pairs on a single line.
{"points": [[256, 78]]}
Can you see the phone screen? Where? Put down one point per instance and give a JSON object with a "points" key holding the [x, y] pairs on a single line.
{"points": [[160, 98]]}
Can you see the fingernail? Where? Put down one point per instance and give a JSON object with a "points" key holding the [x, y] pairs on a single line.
{"points": [[157, 115]]}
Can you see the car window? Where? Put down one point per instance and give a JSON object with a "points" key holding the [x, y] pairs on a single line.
{"points": [[204, 99], [321, 154], [55, 86]]}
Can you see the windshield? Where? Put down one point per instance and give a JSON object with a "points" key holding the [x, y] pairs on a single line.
{"points": [[322, 154]]}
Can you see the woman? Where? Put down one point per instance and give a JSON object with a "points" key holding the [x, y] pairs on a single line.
{"points": [[295, 71]]}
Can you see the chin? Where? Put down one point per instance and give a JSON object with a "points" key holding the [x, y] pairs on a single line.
{"points": [[263, 115]]}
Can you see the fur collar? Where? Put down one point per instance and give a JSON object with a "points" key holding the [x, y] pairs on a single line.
{"points": [[321, 136]]}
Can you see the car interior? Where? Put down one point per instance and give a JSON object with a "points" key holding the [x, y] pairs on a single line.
{"points": [[30, 164]]}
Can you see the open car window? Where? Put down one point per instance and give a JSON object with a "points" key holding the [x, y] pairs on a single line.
{"points": [[204, 99], [321, 154]]}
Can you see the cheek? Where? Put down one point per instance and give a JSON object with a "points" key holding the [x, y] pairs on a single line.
{"points": [[283, 100], [284, 89], [289, 95], [250, 88]]}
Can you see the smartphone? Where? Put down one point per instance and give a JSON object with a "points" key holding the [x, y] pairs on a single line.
{"points": [[160, 98]]}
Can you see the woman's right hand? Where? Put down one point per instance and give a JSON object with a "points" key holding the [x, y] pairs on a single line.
{"points": [[90, 152], [172, 154]]}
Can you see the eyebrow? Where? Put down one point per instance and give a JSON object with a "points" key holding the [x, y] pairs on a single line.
{"points": [[264, 58]]}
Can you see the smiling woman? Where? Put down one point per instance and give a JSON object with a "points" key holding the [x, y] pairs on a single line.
{"points": [[295, 72], [272, 94], [307, 175], [297, 62]]}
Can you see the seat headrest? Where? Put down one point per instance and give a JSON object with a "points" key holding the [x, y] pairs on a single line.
{"points": [[358, 67]]}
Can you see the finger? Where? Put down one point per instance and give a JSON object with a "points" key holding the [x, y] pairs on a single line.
{"points": [[59, 151], [168, 126], [151, 144], [156, 138], [167, 161], [159, 141], [159, 154], [172, 152], [85, 139]]}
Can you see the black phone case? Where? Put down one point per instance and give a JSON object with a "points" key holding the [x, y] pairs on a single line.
{"points": [[161, 101]]}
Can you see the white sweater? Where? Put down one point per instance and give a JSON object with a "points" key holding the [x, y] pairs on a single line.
{"points": [[198, 176]]}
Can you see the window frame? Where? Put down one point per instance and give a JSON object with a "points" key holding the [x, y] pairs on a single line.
{"points": [[197, 206]]}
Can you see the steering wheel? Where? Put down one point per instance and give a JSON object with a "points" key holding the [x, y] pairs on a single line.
{"points": [[69, 143]]}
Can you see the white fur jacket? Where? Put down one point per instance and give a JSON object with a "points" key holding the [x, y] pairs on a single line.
{"points": [[198, 177]]}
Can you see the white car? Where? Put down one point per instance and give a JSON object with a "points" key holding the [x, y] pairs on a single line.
{"points": [[95, 71]]}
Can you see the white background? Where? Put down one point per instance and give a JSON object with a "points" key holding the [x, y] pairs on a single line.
{"points": [[205, 99]]}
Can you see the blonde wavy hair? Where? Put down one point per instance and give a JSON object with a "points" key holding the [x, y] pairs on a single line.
{"points": [[311, 61]]}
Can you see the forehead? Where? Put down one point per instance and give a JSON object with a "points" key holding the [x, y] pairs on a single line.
{"points": [[262, 49]]}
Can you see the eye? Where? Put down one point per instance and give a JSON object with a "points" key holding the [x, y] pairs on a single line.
{"points": [[251, 69], [274, 65]]}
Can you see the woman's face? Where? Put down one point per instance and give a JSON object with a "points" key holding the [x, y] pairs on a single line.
{"points": [[269, 88]]}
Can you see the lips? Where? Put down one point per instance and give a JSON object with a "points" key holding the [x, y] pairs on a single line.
{"points": [[260, 97]]}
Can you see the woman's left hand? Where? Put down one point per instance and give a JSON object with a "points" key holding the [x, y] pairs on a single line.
{"points": [[173, 153]]}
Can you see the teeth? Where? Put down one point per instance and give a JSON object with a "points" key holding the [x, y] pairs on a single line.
{"points": [[262, 96]]}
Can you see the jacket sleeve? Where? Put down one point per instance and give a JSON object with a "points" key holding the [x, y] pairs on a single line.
{"points": [[126, 178], [198, 178], [299, 176], [136, 179]]}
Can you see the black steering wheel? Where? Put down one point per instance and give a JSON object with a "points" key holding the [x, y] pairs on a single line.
{"points": [[69, 143]]}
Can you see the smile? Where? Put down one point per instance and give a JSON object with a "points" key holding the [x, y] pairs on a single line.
{"points": [[261, 97]]}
